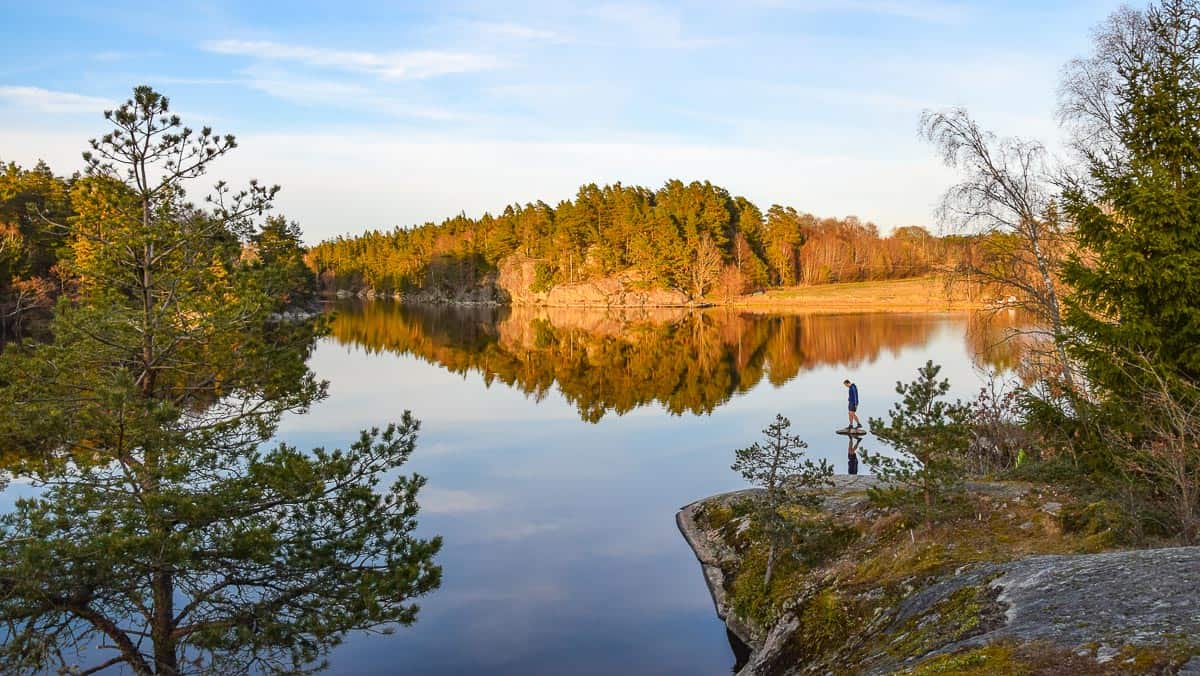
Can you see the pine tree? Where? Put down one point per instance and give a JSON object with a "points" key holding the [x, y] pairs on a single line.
{"points": [[165, 532], [779, 466], [278, 252], [930, 434], [1137, 212]]}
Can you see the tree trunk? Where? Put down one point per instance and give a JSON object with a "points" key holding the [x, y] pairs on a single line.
{"points": [[165, 661], [147, 305], [928, 502], [1055, 312], [770, 567]]}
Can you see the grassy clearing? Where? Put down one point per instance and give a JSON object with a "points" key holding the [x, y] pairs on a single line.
{"points": [[899, 295]]}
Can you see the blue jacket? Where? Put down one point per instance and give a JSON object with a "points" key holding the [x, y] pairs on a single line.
{"points": [[853, 394]]}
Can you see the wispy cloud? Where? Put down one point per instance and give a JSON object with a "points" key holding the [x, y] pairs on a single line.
{"points": [[651, 25], [516, 31], [338, 94], [49, 101], [451, 501], [405, 65], [931, 11]]}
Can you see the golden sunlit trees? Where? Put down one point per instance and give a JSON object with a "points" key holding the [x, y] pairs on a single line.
{"points": [[683, 236], [29, 246]]}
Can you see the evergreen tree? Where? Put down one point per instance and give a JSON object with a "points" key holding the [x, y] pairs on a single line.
{"points": [[278, 252], [165, 533], [1137, 212], [782, 238], [779, 465], [930, 433]]}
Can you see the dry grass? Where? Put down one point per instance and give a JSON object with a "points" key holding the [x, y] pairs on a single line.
{"points": [[900, 295]]}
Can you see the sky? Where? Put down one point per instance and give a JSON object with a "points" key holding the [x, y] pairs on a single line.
{"points": [[383, 114]]}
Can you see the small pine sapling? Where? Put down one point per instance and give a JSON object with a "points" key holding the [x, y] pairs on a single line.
{"points": [[931, 434], [779, 465]]}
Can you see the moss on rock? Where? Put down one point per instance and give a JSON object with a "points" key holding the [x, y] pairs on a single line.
{"points": [[968, 612], [865, 588]]}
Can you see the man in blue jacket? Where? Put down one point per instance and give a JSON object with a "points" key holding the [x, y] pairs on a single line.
{"points": [[854, 422]]}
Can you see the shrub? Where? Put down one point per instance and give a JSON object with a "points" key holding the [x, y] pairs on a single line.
{"points": [[543, 277]]}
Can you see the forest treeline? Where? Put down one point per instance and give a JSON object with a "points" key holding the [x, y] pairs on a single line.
{"points": [[43, 256], [694, 237], [30, 274]]}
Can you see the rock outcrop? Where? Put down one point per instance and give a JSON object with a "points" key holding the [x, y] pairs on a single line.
{"points": [[1109, 600], [517, 276], [514, 282], [715, 557], [483, 291], [1135, 611]]}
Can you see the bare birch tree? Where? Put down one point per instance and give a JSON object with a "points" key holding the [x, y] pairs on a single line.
{"points": [[1005, 194]]}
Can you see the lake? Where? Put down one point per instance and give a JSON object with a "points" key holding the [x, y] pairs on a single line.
{"points": [[559, 444]]}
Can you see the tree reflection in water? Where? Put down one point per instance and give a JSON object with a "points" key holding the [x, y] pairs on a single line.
{"points": [[615, 360]]}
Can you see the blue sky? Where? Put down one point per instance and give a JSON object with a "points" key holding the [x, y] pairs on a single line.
{"points": [[393, 113]]}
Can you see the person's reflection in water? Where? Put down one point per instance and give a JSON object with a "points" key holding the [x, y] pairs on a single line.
{"points": [[852, 454]]}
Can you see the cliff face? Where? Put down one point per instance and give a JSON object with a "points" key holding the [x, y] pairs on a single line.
{"points": [[966, 600], [483, 291], [624, 290], [513, 284]]}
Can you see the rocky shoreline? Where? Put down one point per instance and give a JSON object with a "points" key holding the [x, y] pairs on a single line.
{"points": [[1132, 611], [515, 283], [297, 313]]}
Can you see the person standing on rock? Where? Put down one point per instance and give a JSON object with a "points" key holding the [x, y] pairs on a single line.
{"points": [[855, 424]]}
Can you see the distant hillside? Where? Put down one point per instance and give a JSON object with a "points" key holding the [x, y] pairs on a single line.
{"points": [[694, 239]]}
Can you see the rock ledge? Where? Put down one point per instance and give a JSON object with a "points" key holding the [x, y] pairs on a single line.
{"points": [[1104, 606]]}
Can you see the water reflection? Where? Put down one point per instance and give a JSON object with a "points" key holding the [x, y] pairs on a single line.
{"points": [[561, 552], [852, 454], [614, 361]]}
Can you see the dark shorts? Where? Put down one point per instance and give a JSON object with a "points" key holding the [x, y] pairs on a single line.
{"points": [[853, 407]]}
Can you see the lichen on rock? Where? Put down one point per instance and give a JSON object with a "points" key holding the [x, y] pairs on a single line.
{"points": [[973, 593]]}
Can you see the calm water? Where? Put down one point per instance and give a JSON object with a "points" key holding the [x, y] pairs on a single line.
{"points": [[559, 444]]}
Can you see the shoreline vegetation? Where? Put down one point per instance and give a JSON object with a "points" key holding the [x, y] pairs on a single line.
{"points": [[930, 293], [684, 243]]}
